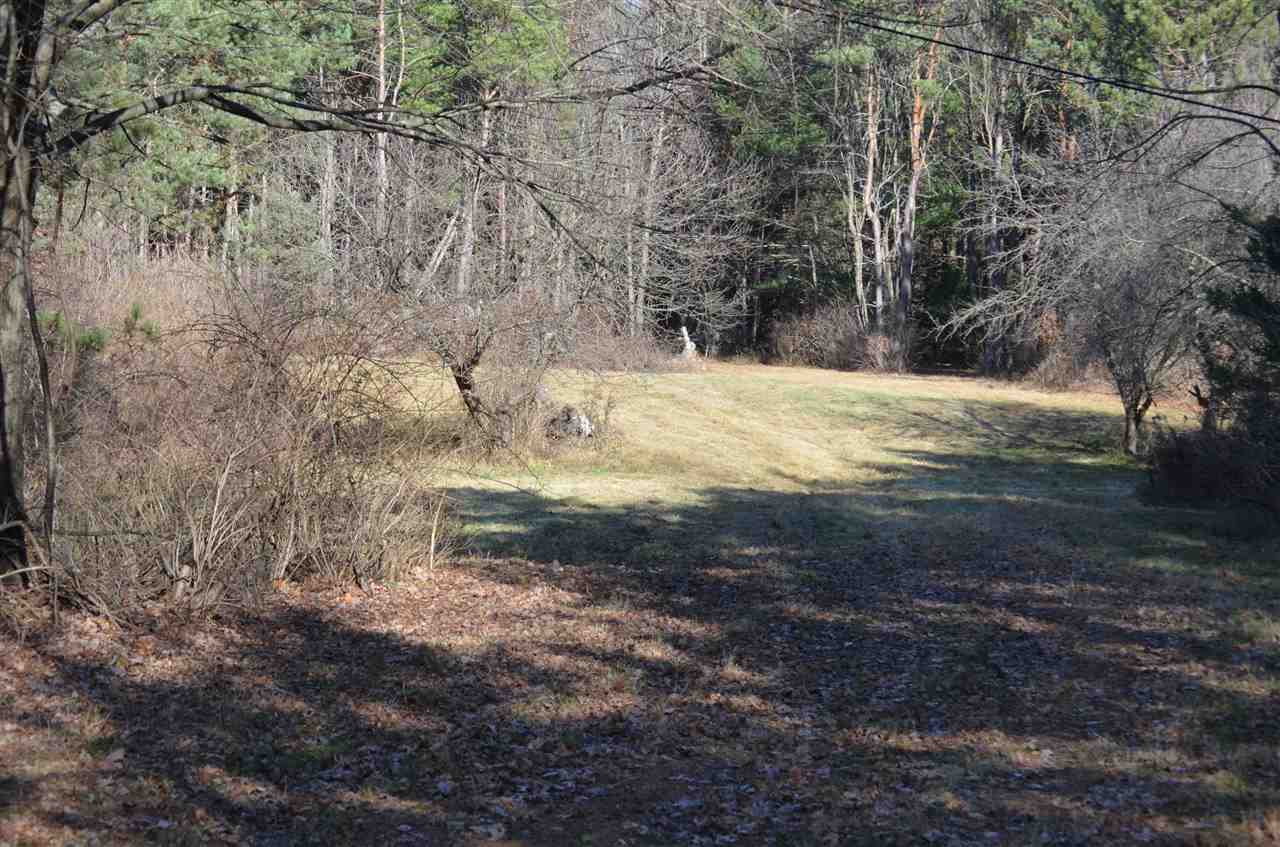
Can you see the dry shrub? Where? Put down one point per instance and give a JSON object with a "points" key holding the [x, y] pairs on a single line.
{"points": [[1063, 364], [1207, 466], [881, 352], [270, 438], [834, 336], [1057, 356], [499, 354], [98, 285], [601, 347]]}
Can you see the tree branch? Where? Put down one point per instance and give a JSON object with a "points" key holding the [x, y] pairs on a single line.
{"points": [[87, 13]]}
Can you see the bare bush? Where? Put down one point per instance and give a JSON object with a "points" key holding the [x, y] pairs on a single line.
{"points": [[271, 438], [602, 347], [1065, 361], [835, 336]]}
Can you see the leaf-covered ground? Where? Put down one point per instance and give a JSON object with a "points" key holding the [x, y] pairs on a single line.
{"points": [[784, 608]]}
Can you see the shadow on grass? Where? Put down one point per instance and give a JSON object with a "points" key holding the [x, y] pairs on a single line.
{"points": [[907, 661], [1000, 427], [963, 424]]}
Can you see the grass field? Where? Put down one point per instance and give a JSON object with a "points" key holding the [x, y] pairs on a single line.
{"points": [[774, 606]]}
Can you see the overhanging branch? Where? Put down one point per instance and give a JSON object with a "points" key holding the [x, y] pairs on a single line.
{"points": [[87, 13], [414, 126]]}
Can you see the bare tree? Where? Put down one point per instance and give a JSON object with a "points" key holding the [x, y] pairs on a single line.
{"points": [[1121, 251]]}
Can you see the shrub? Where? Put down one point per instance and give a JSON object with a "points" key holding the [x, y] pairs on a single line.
{"points": [[835, 336], [601, 347], [1211, 466], [271, 438], [1237, 453]]}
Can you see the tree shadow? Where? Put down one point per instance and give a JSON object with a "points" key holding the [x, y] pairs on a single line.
{"points": [[996, 425], [887, 661], [1013, 426]]}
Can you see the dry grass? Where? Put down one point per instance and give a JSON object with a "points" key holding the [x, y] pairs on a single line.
{"points": [[775, 607]]}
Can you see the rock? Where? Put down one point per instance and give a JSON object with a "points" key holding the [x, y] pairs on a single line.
{"points": [[569, 423]]}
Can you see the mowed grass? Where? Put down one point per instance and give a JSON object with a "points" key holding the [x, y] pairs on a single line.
{"points": [[773, 606], [940, 460]]}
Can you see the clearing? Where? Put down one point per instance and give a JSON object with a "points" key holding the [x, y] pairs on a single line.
{"points": [[780, 606]]}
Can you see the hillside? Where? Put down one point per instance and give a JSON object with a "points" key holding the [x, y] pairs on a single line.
{"points": [[773, 606]]}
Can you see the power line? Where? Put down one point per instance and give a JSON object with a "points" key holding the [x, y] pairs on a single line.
{"points": [[879, 23], [1140, 88]]}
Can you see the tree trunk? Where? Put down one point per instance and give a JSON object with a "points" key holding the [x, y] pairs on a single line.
{"points": [[1131, 426], [328, 202], [649, 213], [27, 53], [972, 264], [471, 211], [382, 184], [881, 267], [906, 254], [230, 228], [926, 67], [870, 202], [19, 193], [496, 424], [629, 194], [328, 206], [1135, 411], [505, 271], [855, 221]]}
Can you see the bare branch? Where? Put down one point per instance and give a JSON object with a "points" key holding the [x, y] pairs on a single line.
{"points": [[87, 13]]}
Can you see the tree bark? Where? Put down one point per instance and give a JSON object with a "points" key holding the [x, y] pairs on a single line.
{"points": [[871, 202], [1135, 412], [19, 191], [380, 139], [907, 226], [471, 211], [328, 206], [27, 53], [907, 254], [855, 219], [648, 211]]}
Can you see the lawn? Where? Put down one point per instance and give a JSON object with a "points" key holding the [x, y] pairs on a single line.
{"points": [[774, 606]]}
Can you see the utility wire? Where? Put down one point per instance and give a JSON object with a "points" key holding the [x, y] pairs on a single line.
{"points": [[1178, 95]]}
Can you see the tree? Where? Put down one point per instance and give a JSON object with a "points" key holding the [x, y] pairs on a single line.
{"points": [[842, 121], [1122, 255], [1242, 357]]}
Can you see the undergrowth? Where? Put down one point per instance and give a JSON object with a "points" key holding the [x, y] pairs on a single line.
{"points": [[246, 439]]}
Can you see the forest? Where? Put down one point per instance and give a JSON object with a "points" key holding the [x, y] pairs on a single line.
{"points": [[640, 422]]}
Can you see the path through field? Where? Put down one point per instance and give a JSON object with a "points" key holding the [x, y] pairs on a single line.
{"points": [[780, 607]]}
